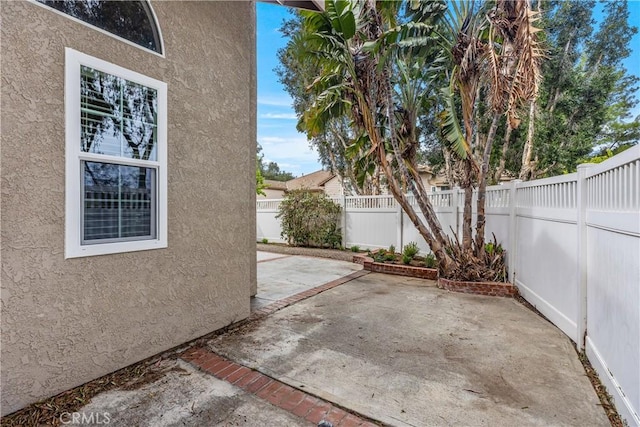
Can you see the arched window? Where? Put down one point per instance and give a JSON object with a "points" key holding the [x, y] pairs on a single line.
{"points": [[131, 20]]}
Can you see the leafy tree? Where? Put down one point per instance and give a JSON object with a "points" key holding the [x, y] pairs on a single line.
{"points": [[260, 185], [270, 170], [586, 94]]}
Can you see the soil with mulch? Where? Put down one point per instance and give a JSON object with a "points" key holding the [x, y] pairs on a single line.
{"points": [[281, 248], [48, 412], [416, 261]]}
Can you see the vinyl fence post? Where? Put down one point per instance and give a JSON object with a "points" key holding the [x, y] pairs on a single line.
{"points": [[512, 253], [454, 207], [399, 226], [581, 225], [343, 227]]}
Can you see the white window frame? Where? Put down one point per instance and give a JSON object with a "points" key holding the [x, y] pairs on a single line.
{"points": [[74, 157], [110, 34]]}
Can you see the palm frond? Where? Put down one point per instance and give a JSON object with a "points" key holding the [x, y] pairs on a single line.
{"points": [[450, 126]]}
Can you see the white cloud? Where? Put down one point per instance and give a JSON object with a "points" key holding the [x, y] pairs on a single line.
{"points": [[292, 154], [275, 100], [282, 116]]}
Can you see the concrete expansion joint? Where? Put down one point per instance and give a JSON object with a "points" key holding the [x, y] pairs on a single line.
{"points": [[277, 306], [293, 400], [285, 302], [273, 259]]}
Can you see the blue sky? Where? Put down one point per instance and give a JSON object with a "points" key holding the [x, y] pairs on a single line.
{"points": [[277, 132]]}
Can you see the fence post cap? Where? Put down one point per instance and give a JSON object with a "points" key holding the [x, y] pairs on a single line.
{"points": [[585, 165]]}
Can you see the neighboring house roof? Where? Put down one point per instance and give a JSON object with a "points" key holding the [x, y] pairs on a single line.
{"points": [[272, 184], [313, 181]]}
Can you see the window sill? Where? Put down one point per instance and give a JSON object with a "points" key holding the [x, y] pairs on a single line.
{"points": [[78, 251]]}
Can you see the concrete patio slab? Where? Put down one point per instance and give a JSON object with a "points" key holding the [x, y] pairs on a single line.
{"points": [[280, 276], [407, 354], [387, 348], [266, 256], [186, 397]]}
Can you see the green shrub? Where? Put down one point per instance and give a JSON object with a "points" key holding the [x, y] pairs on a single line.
{"points": [[310, 219], [355, 248], [406, 259], [411, 250], [380, 255], [265, 240], [430, 261], [392, 249]]}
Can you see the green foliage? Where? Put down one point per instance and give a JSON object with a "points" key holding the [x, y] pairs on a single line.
{"points": [[378, 256], [310, 219], [392, 249], [260, 183], [586, 95], [494, 258], [410, 250], [355, 248], [606, 154], [406, 259], [265, 240], [450, 125], [382, 255], [269, 171], [430, 261]]}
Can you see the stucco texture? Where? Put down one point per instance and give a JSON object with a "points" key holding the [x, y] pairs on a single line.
{"points": [[65, 322]]}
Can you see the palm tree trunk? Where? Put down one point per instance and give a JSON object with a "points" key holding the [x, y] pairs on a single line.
{"points": [[482, 185], [503, 157], [526, 170], [467, 211]]}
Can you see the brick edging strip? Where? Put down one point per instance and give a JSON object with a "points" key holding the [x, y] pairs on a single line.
{"points": [[369, 264], [282, 303], [273, 259], [494, 289], [292, 400]]}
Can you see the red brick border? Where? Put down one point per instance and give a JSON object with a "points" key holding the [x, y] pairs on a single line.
{"points": [[401, 270], [496, 289], [292, 400]]}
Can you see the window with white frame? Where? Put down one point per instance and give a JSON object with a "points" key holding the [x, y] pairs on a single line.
{"points": [[116, 158]]}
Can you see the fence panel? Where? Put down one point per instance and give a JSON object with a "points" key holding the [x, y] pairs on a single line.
{"points": [[613, 278], [371, 221], [442, 202], [546, 249], [497, 203], [267, 225]]}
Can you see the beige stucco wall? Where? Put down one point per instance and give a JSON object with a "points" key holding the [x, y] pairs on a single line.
{"points": [[333, 187], [270, 193], [65, 322]]}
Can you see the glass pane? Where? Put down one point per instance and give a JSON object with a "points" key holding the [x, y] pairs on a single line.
{"points": [[118, 117], [131, 20], [118, 202]]}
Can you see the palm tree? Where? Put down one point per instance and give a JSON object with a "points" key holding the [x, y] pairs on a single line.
{"points": [[360, 47]]}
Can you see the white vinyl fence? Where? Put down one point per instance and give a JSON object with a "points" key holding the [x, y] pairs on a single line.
{"points": [[573, 249]]}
